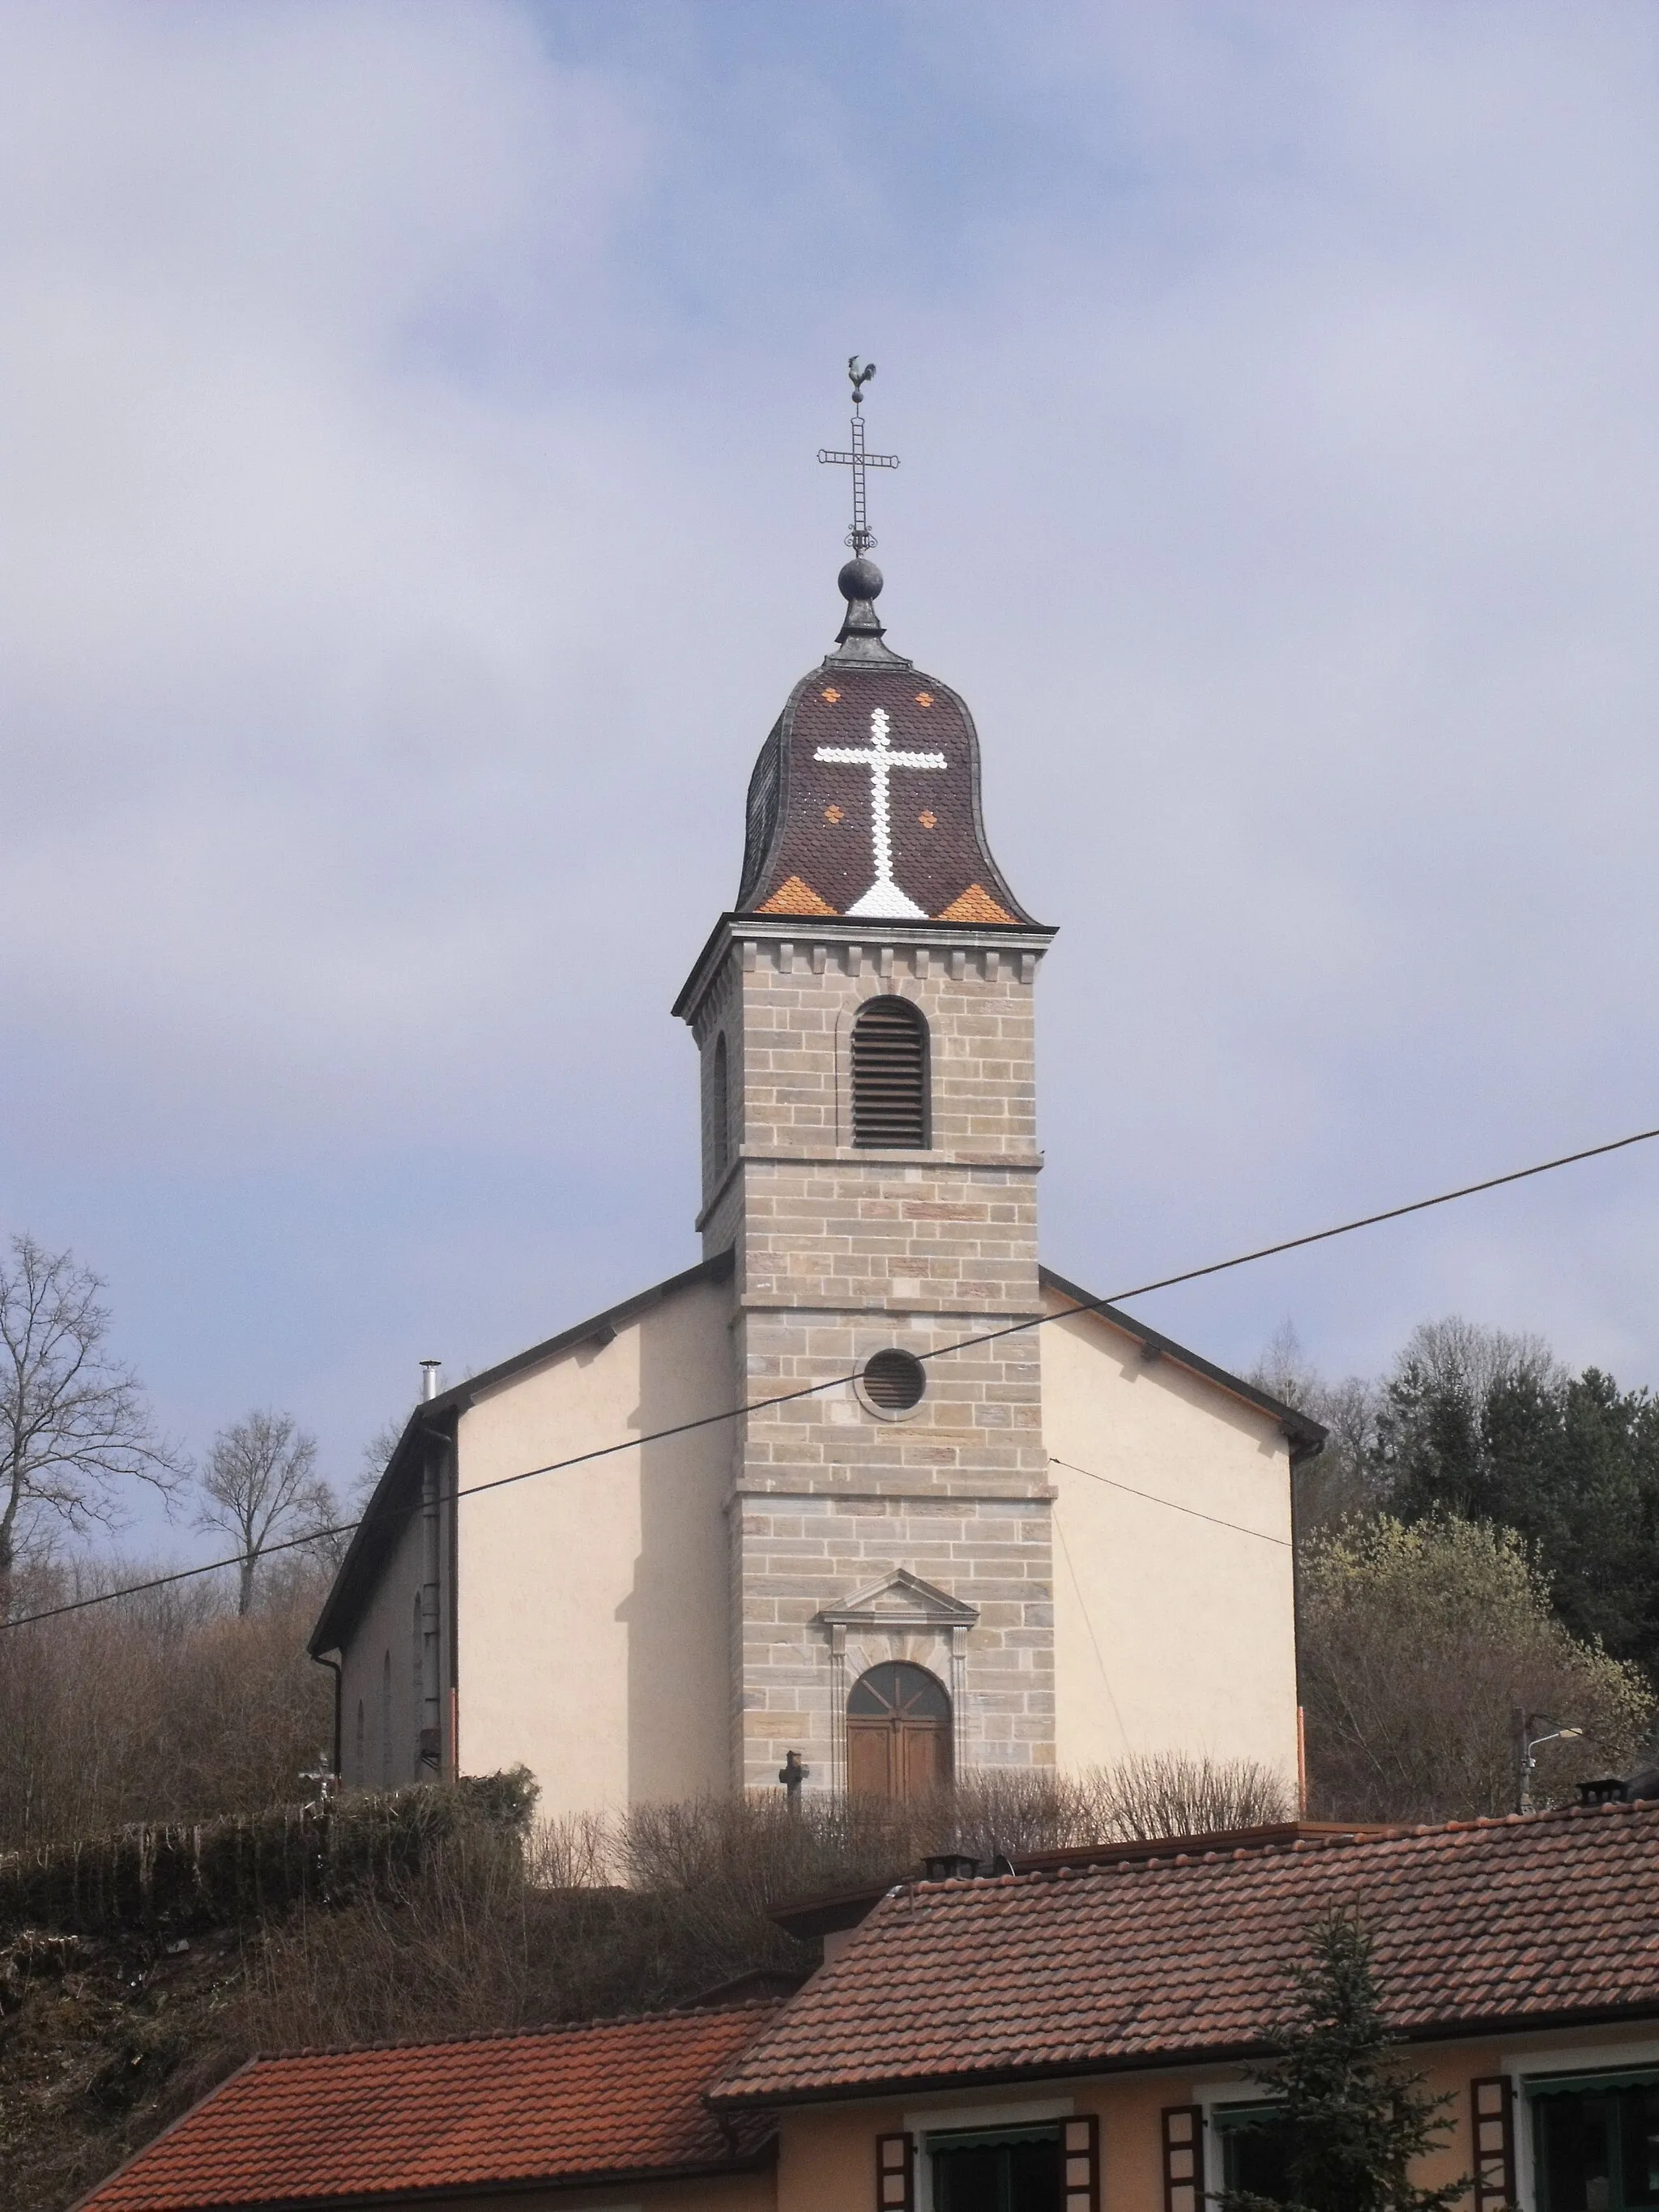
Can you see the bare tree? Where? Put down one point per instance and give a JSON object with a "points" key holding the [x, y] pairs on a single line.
{"points": [[74, 1426], [261, 1487], [376, 1458], [1342, 1480]]}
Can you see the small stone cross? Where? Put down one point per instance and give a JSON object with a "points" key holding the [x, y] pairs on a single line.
{"points": [[884, 899]]}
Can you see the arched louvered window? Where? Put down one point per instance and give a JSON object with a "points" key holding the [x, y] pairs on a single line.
{"points": [[889, 1074], [720, 1107]]}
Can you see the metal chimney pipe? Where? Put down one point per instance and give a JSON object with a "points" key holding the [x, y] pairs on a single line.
{"points": [[429, 1371]]}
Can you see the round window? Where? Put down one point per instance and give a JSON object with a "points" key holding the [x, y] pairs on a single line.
{"points": [[894, 1380]]}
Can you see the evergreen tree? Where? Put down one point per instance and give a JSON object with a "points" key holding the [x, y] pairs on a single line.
{"points": [[1484, 1426], [1351, 2119]]}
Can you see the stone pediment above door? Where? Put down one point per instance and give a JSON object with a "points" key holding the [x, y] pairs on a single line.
{"points": [[900, 1601]]}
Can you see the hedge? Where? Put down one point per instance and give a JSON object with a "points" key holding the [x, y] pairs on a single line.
{"points": [[247, 1867]]}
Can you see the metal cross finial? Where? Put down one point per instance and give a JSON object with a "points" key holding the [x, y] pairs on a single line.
{"points": [[860, 537]]}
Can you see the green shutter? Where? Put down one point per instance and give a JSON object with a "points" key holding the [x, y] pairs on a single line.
{"points": [[1589, 2084]]}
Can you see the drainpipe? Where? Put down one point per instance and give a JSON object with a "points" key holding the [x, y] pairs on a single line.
{"points": [[431, 1734], [431, 1461], [331, 1661]]}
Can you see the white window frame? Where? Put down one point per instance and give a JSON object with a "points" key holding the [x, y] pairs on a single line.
{"points": [[1206, 2095], [1569, 2058], [964, 2119]]}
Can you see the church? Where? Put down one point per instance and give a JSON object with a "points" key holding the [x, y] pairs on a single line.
{"points": [[869, 1490]]}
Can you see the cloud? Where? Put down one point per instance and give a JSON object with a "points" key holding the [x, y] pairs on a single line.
{"points": [[407, 416]]}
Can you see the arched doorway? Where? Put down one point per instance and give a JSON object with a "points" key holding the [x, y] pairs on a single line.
{"points": [[898, 1732]]}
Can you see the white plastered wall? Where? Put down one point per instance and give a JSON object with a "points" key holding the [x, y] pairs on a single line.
{"points": [[1172, 1633], [593, 1603]]}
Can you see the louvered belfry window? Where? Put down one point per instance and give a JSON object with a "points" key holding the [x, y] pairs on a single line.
{"points": [[889, 1075], [720, 1107]]}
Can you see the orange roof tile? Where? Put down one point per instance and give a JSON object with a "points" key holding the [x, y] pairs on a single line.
{"points": [[620, 2098], [1478, 1925]]}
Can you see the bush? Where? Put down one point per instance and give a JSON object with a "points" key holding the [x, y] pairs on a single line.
{"points": [[1420, 1647], [163, 1707], [249, 1869], [664, 1903]]}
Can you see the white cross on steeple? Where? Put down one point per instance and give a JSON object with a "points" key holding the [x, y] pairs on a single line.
{"points": [[884, 899]]}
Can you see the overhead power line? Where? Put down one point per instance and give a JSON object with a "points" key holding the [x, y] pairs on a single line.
{"points": [[1152, 1498], [837, 1382]]}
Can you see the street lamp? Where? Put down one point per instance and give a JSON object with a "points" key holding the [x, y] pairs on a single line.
{"points": [[1529, 1744]]}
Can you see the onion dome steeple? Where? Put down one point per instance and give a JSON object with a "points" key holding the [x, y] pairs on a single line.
{"points": [[865, 800]]}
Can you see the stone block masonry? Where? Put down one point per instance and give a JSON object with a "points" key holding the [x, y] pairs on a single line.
{"points": [[796, 1554], [840, 1252]]}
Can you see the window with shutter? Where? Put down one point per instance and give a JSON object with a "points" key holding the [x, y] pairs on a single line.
{"points": [[1250, 2148], [889, 1075], [1183, 2158], [998, 2170], [1595, 2141], [896, 2168], [1493, 2127], [1079, 2147]]}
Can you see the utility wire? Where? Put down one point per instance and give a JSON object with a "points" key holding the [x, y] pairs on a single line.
{"points": [[1153, 1497], [836, 1382], [1313, 1236]]}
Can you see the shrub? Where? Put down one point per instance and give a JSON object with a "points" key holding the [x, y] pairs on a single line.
{"points": [[1420, 1645]]}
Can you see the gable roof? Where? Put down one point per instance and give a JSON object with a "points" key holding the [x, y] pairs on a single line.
{"points": [[610, 2100], [1306, 1435], [397, 1493], [1479, 1926], [822, 1912]]}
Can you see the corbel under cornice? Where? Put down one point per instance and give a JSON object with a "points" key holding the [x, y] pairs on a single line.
{"points": [[1030, 939]]}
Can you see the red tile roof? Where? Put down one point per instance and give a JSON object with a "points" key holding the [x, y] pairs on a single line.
{"points": [[1515, 1923], [619, 2099]]}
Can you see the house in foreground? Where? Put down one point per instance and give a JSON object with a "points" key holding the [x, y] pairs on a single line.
{"points": [[1075, 2038]]}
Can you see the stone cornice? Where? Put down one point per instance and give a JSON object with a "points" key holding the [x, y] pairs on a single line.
{"points": [[938, 1161], [840, 932], [1034, 1494], [947, 1308]]}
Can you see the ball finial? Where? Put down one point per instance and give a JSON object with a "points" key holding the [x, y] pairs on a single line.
{"points": [[860, 579]]}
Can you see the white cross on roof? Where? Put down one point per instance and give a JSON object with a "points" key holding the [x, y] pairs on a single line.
{"points": [[883, 900]]}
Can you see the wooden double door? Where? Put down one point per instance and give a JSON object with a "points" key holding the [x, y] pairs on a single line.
{"points": [[898, 1733]]}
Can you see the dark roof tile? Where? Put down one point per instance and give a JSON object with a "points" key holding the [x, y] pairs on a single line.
{"points": [[1147, 1962]]}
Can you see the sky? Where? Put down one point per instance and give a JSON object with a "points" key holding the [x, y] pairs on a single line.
{"points": [[409, 528]]}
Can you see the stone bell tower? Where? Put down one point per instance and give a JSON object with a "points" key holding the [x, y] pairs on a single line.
{"points": [[864, 1015]]}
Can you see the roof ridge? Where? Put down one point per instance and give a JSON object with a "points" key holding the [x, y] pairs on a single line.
{"points": [[512, 2034], [1225, 1850]]}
